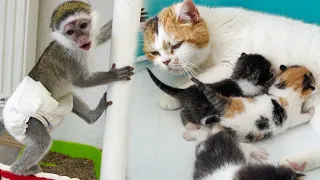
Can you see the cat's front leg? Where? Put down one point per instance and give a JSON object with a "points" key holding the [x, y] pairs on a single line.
{"points": [[303, 161], [255, 152], [211, 75]]}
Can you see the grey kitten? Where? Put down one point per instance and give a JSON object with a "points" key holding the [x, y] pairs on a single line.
{"points": [[222, 157], [252, 75]]}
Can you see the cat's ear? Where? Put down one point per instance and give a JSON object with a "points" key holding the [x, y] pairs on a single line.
{"points": [[188, 12], [283, 67], [243, 55]]}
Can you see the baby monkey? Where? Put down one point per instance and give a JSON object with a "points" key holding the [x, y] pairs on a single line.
{"points": [[63, 65]]}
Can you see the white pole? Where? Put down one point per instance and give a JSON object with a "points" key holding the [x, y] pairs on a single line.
{"points": [[125, 25]]}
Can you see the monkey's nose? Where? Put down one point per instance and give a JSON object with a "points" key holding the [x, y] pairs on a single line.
{"points": [[166, 62]]}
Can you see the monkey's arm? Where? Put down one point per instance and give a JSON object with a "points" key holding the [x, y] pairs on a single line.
{"points": [[81, 109], [100, 78], [106, 30], [105, 33]]}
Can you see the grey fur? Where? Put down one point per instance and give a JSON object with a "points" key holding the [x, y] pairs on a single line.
{"points": [[58, 69], [222, 150]]}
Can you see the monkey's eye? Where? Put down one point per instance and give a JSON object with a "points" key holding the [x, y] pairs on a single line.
{"points": [[176, 46], [83, 25], [70, 32], [155, 53]]}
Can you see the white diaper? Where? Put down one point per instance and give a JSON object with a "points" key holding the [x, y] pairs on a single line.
{"points": [[30, 99]]}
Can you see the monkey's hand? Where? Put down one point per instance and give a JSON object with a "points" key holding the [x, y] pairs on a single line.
{"points": [[120, 74], [144, 15], [103, 104]]}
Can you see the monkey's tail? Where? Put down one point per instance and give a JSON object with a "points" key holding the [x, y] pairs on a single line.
{"points": [[218, 101], [167, 89]]}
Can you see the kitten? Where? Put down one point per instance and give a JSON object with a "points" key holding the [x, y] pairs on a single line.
{"points": [[256, 118], [186, 36], [222, 157], [252, 75]]}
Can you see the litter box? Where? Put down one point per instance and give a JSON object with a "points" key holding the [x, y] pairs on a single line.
{"points": [[74, 150]]}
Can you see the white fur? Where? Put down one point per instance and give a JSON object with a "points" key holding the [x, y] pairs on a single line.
{"points": [[244, 123], [236, 30], [227, 172], [247, 86]]}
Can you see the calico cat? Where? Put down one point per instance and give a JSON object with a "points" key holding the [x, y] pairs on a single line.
{"points": [[252, 75], [256, 118], [186, 36], [222, 157]]}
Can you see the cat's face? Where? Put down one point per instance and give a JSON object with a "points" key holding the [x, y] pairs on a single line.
{"points": [[254, 68], [177, 39], [299, 78]]}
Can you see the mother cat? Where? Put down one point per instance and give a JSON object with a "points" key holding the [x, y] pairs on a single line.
{"points": [[184, 36]]}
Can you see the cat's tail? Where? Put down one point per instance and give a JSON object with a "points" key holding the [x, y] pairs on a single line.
{"points": [[167, 89], [216, 99], [2, 127]]}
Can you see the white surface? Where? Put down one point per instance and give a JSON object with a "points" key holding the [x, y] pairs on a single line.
{"points": [[157, 150], [114, 157], [74, 128], [18, 34]]}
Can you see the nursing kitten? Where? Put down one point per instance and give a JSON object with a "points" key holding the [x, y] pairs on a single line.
{"points": [[183, 36], [252, 75], [222, 157], [256, 118]]}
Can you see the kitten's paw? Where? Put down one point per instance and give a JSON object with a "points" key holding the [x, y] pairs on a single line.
{"points": [[169, 103], [192, 126], [294, 165], [311, 111], [188, 136], [256, 152], [260, 154]]}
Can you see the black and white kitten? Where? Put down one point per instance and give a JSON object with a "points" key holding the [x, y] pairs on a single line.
{"points": [[252, 75], [222, 157]]}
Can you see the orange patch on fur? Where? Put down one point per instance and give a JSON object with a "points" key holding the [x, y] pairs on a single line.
{"points": [[251, 100], [193, 33], [236, 106], [293, 77], [283, 102]]}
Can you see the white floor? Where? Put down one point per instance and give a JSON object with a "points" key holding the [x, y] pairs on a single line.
{"points": [[157, 150]]}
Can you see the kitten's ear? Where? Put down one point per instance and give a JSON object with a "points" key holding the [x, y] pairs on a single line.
{"points": [[243, 55], [283, 67], [188, 12]]}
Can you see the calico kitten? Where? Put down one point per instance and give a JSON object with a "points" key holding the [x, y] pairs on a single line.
{"points": [[256, 118], [252, 75], [222, 157]]}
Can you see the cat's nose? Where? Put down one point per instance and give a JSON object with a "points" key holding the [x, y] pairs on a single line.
{"points": [[166, 62]]}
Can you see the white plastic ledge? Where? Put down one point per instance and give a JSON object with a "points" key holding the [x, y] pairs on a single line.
{"points": [[126, 18]]}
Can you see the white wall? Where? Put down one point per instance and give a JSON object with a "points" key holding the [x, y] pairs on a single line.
{"points": [[73, 128]]}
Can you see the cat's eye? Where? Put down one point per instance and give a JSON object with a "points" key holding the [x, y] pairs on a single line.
{"points": [[83, 25], [176, 46], [155, 53], [70, 32]]}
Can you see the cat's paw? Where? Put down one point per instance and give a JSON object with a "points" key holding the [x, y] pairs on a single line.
{"points": [[188, 136], [169, 103], [256, 152], [311, 111], [295, 165], [192, 126]]}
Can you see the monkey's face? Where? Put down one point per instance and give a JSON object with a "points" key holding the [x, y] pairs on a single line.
{"points": [[78, 31]]}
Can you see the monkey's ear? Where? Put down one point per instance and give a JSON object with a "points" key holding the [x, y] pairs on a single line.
{"points": [[283, 67]]}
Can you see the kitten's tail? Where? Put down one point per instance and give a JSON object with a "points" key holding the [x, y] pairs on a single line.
{"points": [[167, 89], [217, 100], [2, 127]]}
